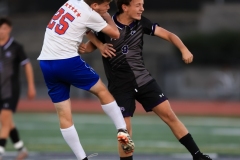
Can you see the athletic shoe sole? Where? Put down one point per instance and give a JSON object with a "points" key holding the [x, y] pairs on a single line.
{"points": [[126, 142]]}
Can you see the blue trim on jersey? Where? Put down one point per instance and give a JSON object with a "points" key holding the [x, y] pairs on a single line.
{"points": [[8, 43], [59, 75], [153, 29], [120, 25]]}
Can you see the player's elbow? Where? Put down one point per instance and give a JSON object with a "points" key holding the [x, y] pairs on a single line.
{"points": [[116, 35], [112, 32]]}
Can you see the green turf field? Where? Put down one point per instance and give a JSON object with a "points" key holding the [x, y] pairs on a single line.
{"points": [[41, 133]]}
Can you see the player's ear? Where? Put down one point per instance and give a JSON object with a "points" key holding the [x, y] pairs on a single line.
{"points": [[124, 7], [94, 6]]}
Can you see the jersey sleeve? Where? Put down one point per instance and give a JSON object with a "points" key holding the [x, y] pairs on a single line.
{"points": [[96, 22], [22, 57], [148, 26]]}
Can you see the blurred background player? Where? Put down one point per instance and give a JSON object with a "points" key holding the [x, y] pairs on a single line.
{"points": [[62, 66], [127, 76], [12, 56]]}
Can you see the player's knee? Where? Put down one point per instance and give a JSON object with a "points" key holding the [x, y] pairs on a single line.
{"points": [[105, 96], [170, 117]]}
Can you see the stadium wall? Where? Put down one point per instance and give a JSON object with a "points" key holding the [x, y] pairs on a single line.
{"points": [[198, 108]]}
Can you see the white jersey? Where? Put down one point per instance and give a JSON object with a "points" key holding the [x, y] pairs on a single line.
{"points": [[66, 29]]}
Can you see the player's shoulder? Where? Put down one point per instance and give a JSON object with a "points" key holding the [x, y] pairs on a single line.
{"points": [[146, 22], [17, 44], [13, 43], [144, 19], [78, 9]]}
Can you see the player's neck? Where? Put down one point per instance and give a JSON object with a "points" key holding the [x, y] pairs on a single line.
{"points": [[3, 41], [124, 19]]}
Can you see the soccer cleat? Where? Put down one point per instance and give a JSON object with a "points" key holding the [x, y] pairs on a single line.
{"points": [[203, 157], [22, 154], [126, 141]]}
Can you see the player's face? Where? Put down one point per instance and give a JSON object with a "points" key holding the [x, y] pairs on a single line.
{"points": [[5, 31], [102, 8], [135, 9]]}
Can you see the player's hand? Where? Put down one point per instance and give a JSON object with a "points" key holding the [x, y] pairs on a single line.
{"points": [[107, 50], [82, 48], [187, 56], [31, 92]]}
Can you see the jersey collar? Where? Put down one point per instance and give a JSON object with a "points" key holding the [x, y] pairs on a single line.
{"points": [[120, 25], [8, 43]]}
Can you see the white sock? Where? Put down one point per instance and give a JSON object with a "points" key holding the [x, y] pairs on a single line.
{"points": [[71, 137], [114, 112], [2, 151], [18, 145]]}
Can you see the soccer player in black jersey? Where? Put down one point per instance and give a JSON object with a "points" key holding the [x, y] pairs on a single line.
{"points": [[12, 56], [129, 80]]}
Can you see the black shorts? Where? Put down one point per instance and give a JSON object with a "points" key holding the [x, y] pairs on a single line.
{"points": [[9, 104], [149, 96]]}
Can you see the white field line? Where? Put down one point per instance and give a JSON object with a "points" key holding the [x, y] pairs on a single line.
{"points": [[139, 143], [226, 131], [188, 156], [166, 144]]}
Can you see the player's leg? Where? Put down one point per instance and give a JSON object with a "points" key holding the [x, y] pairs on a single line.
{"points": [[122, 154], [81, 75], [109, 104], [67, 128], [54, 73], [6, 122], [18, 144], [14, 134], [164, 111], [126, 101], [152, 98], [8, 128], [111, 108]]}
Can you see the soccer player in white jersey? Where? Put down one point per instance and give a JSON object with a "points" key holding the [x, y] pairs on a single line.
{"points": [[62, 66]]}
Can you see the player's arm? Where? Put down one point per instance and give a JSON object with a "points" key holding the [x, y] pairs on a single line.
{"points": [[88, 47], [171, 37], [106, 49], [30, 80], [111, 29], [84, 48]]}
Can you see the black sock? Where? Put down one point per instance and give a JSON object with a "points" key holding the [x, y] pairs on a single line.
{"points": [[85, 158], [126, 158], [191, 146], [14, 135], [3, 142], [15, 138]]}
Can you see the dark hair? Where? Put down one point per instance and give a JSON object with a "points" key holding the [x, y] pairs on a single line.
{"points": [[119, 4], [4, 20], [89, 2]]}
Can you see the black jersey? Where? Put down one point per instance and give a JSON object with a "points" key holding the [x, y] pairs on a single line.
{"points": [[126, 71], [12, 56]]}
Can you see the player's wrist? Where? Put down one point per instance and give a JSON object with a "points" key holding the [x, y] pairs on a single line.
{"points": [[106, 16]]}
